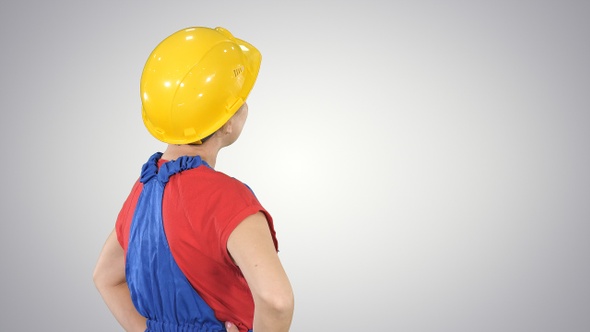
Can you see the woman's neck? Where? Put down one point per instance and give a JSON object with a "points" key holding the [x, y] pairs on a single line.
{"points": [[207, 152]]}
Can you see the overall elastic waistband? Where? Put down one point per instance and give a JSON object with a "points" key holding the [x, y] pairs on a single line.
{"points": [[159, 326]]}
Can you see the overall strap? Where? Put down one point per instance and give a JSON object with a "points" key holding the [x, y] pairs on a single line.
{"points": [[159, 289], [150, 168]]}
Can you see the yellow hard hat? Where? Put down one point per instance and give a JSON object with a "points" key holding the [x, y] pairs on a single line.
{"points": [[194, 81]]}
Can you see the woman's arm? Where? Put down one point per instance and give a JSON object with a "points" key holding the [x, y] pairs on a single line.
{"points": [[109, 278], [252, 248]]}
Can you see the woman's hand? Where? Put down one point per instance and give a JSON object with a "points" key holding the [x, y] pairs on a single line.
{"points": [[231, 327]]}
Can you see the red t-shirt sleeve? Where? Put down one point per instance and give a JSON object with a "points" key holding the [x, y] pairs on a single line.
{"points": [[236, 220], [238, 202], [125, 216]]}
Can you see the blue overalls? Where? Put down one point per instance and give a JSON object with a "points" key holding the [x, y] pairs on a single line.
{"points": [[159, 289]]}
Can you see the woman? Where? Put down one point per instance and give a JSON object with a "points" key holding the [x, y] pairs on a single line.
{"points": [[192, 247]]}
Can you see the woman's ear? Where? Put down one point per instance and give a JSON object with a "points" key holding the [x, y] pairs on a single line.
{"points": [[227, 128]]}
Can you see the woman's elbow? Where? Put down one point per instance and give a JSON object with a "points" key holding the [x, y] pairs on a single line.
{"points": [[281, 303], [98, 277], [105, 276]]}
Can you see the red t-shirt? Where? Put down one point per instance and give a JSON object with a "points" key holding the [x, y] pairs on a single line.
{"points": [[200, 208]]}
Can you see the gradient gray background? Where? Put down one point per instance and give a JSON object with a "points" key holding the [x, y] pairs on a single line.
{"points": [[427, 162]]}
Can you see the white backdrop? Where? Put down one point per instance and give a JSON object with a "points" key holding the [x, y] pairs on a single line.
{"points": [[426, 162]]}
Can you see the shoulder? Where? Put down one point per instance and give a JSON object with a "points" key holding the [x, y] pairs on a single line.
{"points": [[214, 181], [125, 215]]}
